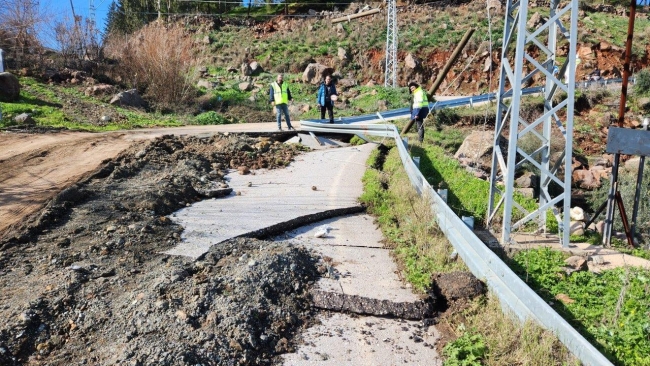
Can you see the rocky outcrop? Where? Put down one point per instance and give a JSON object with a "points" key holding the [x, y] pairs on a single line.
{"points": [[9, 87], [129, 98]]}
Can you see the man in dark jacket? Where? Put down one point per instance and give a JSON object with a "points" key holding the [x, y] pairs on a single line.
{"points": [[326, 91]]}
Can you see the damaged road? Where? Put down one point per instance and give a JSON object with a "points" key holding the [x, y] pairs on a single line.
{"points": [[153, 258]]}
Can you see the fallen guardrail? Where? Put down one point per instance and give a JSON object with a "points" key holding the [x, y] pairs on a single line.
{"points": [[458, 102], [515, 296]]}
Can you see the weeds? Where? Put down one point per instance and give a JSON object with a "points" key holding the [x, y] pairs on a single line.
{"points": [[157, 59], [611, 309], [407, 222]]}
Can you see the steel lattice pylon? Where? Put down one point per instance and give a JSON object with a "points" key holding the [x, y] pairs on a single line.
{"points": [[536, 134], [390, 76]]}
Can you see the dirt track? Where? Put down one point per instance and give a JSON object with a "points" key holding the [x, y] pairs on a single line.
{"points": [[35, 167]]}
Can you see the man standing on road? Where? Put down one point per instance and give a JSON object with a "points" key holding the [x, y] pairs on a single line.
{"points": [[325, 98], [280, 95], [419, 108]]}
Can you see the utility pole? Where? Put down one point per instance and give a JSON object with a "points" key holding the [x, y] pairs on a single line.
{"points": [[542, 41], [390, 76]]}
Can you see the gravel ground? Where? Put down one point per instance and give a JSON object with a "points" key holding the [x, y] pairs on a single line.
{"points": [[84, 280]]}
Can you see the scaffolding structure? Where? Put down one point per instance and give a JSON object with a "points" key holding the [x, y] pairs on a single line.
{"points": [[554, 167], [390, 76]]}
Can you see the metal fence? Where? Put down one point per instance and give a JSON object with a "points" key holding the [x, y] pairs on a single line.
{"points": [[515, 296]]}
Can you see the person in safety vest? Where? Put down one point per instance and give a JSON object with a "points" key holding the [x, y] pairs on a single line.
{"points": [[419, 108], [280, 95], [325, 98]]}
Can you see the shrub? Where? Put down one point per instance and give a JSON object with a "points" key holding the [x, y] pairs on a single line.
{"points": [[211, 118], [642, 83], [158, 59]]}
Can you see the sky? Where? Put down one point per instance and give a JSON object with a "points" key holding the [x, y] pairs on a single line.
{"points": [[61, 9]]}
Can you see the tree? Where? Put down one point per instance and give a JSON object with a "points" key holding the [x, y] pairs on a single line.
{"points": [[20, 22]]}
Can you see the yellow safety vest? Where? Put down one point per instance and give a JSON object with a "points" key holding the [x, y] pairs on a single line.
{"points": [[281, 95], [420, 99]]}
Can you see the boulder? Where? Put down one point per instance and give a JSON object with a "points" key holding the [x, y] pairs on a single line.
{"points": [[577, 228], [129, 98], [342, 54], [577, 214], [526, 192], [24, 119], [411, 62], [602, 161], [585, 179], [575, 263], [527, 180], [346, 83], [245, 86], [315, 72], [298, 108], [207, 84], [632, 164], [256, 68], [477, 147], [246, 69], [97, 90], [535, 20], [600, 227], [9, 87], [644, 103]]}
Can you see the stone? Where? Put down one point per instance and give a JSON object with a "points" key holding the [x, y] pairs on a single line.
{"points": [[577, 228], [598, 259], [632, 165], [9, 87], [244, 170], [256, 68], [245, 69], [600, 227], [535, 20], [477, 147], [315, 72], [342, 54], [487, 64], [602, 161], [411, 62], [207, 84], [206, 40], [527, 180], [346, 83], [245, 86], [24, 119], [526, 192], [129, 98], [106, 119], [576, 263], [585, 179], [577, 214], [100, 89], [604, 46], [232, 69], [564, 298]]}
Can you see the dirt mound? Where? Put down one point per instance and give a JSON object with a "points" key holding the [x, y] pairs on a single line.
{"points": [[84, 279]]}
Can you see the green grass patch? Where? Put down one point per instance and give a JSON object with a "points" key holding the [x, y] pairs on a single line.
{"points": [[406, 221], [611, 309]]}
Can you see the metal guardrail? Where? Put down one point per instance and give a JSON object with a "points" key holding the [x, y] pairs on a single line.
{"points": [[405, 112], [515, 296]]}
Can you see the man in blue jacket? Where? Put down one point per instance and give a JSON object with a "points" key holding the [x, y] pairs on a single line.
{"points": [[326, 91], [280, 95]]}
